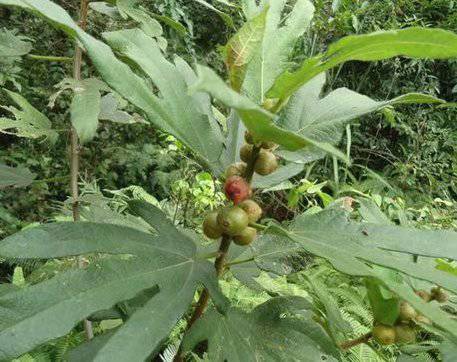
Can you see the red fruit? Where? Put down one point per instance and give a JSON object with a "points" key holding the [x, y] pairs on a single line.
{"points": [[237, 189]]}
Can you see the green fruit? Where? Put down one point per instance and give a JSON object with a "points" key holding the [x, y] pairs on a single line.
{"points": [[211, 227], [268, 145], [251, 208], [236, 169], [248, 137], [439, 295], [246, 152], [246, 237], [422, 319], [383, 334], [404, 334], [425, 296], [407, 312], [266, 163], [232, 220]]}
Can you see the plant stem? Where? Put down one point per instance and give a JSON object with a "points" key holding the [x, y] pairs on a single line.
{"points": [[204, 297], [251, 164], [75, 148], [50, 58], [354, 342], [219, 264]]}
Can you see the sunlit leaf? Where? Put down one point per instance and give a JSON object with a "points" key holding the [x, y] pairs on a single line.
{"points": [[421, 43]]}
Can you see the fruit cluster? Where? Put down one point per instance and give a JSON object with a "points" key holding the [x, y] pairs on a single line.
{"points": [[404, 330], [234, 220]]}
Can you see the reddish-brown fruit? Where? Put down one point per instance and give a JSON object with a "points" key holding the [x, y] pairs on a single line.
{"points": [[424, 295], [248, 137], [211, 227], [251, 208], [404, 334], [384, 335], [237, 189], [246, 236], [246, 152], [232, 220], [236, 169], [266, 163]]}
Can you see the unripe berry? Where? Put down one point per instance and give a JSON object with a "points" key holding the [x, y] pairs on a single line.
{"points": [[407, 312], [248, 137], [251, 208], [383, 334], [232, 220], [246, 237], [425, 296], [266, 163], [236, 169], [439, 295], [211, 227], [423, 319], [246, 152], [268, 145], [404, 334], [237, 189]]}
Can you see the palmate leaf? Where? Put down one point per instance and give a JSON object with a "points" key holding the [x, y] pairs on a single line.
{"points": [[192, 127], [12, 45], [281, 329], [256, 119], [324, 119], [241, 48], [29, 122], [282, 29], [15, 176], [85, 107], [353, 248], [50, 309], [421, 43], [172, 80]]}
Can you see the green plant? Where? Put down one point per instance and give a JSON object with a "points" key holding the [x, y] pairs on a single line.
{"points": [[158, 273]]}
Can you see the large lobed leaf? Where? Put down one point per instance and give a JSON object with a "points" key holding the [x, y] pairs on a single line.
{"points": [[257, 120], [19, 176], [44, 311], [28, 122], [324, 119], [284, 26], [281, 329], [354, 248], [12, 45], [420, 43], [241, 48], [192, 125]]}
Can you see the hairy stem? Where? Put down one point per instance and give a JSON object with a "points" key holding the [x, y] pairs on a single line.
{"points": [[355, 342], [75, 148]]}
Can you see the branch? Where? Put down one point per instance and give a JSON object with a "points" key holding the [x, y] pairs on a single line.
{"points": [[355, 342], [219, 264], [75, 148]]}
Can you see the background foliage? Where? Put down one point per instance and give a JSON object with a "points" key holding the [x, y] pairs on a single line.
{"points": [[405, 160]]}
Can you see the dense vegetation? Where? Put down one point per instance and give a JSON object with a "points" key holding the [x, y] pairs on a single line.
{"points": [[302, 171]]}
